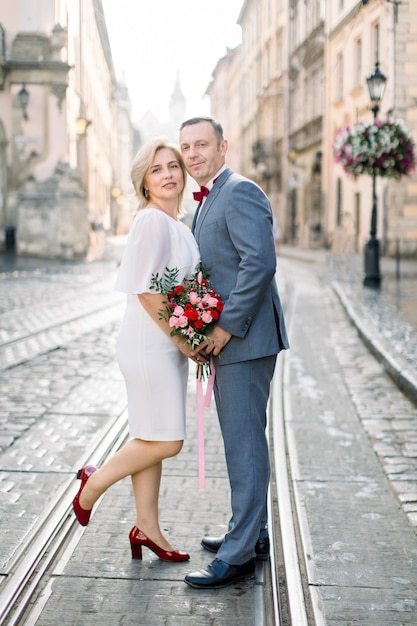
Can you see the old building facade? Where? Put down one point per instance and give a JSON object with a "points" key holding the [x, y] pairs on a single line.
{"points": [[359, 36], [62, 185], [301, 76]]}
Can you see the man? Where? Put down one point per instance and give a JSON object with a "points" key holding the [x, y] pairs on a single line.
{"points": [[233, 229]]}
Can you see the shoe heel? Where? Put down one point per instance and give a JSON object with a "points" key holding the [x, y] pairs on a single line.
{"points": [[136, 550]]}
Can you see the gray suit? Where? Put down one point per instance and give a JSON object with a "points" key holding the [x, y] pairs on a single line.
{"points": [[234, 234]]}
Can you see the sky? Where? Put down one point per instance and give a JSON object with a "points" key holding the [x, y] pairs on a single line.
{"points": [[154, 40]]}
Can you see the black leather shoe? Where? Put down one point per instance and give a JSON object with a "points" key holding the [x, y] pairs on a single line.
{"points": [[212, 544], [220, 574]]}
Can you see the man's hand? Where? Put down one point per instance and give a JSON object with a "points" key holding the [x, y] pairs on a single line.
{"points": [[218, 339]]}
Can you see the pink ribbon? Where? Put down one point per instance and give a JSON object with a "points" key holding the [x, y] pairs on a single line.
{"points": [[203, 403]]}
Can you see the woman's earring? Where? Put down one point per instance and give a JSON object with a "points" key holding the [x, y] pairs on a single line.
{"points": [[145, 192]]}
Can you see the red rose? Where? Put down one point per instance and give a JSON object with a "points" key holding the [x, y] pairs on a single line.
{"points": [[214, 314], [179, 289], [198, 324], [220, 305], [191, 314]]}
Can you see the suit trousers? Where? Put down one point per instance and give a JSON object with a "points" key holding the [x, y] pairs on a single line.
{"points": [[241, 392]]}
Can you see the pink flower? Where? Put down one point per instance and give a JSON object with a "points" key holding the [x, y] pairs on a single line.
{"points": [[191, 308], [174, 322], [194, 297], [207, 317], [178, 311], [178, 322]]}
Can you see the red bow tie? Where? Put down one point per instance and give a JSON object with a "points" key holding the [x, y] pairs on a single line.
{"points": [[199, 195]]}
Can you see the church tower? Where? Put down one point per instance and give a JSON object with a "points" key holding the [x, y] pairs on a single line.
{"points": [[177, 106]]}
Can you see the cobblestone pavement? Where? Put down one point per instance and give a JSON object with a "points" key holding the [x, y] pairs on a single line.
{"points": [[353, 433], [59, 391], [356, 494], [387, 320], [52, 407]]}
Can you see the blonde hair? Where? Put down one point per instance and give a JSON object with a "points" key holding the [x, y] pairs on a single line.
{"points": [[143, 161]]}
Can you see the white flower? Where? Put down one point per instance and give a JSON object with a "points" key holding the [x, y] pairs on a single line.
{"points": [[384, 148]]}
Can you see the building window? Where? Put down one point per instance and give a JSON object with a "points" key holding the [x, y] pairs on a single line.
{"points": [[320, 93], [339, 208], [375, 43], [309, 17], [279, 56], [295, 35], [339, 77], [357, 219], [312, 95], [358, 63], [267, 65]]}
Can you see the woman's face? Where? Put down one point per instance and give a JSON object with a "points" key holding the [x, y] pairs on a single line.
{"points": [[164, 180]]}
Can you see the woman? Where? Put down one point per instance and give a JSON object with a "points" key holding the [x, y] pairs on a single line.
{"points": [[154, 364]]}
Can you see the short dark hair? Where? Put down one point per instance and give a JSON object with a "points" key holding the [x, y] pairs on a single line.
{"points": [[218, 130]]}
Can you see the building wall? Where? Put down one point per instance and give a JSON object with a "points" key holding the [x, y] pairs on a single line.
{"points": [[303, 73], [357, 37], [58, 50], [224, 93], [264, 104]]}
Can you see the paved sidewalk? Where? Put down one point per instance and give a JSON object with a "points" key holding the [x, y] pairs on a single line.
{"points": [[101, 584], [385, 318], [353, 444], [363, 550]]}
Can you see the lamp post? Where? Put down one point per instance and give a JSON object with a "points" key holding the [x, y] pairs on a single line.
{"points": [[376, 85], [23, 96]]}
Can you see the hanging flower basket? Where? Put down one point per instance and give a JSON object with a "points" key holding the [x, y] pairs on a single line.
{"points": [[385, 148]]}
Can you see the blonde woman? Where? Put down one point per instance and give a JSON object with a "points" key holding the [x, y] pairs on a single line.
{"points": [[154, 364]]}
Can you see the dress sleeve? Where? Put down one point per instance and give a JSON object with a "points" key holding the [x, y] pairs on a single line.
{"points": [[148, 251]]}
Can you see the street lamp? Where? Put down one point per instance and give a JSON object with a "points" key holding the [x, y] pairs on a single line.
{"points": [[81, 125], [23, 96], [376, 86]]}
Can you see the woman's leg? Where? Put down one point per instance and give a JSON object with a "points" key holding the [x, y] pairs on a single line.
{"points": [[146, 490], [135, 456]]}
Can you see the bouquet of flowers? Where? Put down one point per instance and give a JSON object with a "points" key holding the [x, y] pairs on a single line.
{"points": [[385, 148], [192, 307]]}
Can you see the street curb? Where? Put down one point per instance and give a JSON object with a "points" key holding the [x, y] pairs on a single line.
{"points": [[402, 377]]}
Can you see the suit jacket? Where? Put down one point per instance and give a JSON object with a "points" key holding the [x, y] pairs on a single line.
{"points": [[234, 235]]}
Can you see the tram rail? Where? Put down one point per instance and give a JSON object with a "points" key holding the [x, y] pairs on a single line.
{"points": [[290, 596], [22, 347], [280, 598], [28, 571]]}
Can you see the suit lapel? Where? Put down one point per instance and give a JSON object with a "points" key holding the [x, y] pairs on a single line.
{"points": [[214, 192]]}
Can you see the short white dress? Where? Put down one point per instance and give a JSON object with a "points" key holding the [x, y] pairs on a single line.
{"points": [[154, 370]]}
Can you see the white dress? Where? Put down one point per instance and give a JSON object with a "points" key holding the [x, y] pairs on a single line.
{"points": [[154, 370]]}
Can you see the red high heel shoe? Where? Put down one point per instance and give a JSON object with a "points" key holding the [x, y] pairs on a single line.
{"points": [[82, 515], [139, 539]]}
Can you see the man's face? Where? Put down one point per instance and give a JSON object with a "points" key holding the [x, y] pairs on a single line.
{"points": [[202, 153]]}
